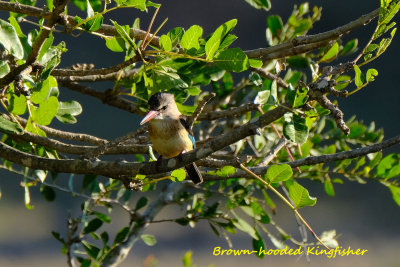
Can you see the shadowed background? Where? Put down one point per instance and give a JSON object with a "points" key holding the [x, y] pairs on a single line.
{"points": [[364, 215]]}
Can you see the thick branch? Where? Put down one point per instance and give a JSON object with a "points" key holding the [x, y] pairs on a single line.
{"points": [[117, 169], [351, 154]]}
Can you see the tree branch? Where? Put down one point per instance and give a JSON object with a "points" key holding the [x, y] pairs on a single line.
{"points": [[303, 44]]}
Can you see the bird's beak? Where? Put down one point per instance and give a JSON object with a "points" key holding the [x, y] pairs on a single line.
{"points": [[149, 116]]}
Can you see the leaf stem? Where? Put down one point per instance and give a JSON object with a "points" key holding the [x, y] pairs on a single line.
{"points": [[287, 202]]}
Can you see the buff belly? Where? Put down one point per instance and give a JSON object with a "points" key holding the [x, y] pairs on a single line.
{"points": [[169, 138]]}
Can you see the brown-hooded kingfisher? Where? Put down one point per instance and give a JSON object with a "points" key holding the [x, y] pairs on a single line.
{"points": [[169, 131]]}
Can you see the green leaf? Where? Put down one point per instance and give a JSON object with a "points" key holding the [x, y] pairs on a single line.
{"points": [[152, 4], [299, 195], [116, 44], [279, 173], [139, 4], [7, 126], [178, 175], [149, 240], [331, 54], [329, 187], [46, 45], [217, 37], [262, 97], [48, 192], [46, 112], [275, 24], [388, 11], [260, 4], [232, 59], [102, 217], [187, 259], [176, 35], [17, 104], [163, 80], [141, 203], [349, 48], [342, 82], [193, 90], [94, 24], [255, 63], [123, 31], [299, 61], [224, 171], [227, 41], [165, 43], [244, 226], [190, 39], [295, 128], [359, 79], [4, 68], [395, 193], [9, 40], [90, 249], [371, 73], [92, 226], [67, 111], [258, 245], [122, 235]]}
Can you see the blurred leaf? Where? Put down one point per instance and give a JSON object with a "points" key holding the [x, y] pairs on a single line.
{"points": [[178, 175], [275, 24], [141, 202], [90, 249], [122, 235], [175, 35], [349, 48], [258, 245], [139, 4], [7, 126], [329, 187], [4, 68], [260, 4], [395, 193], [48, 192], [92, 226], [244, 226], [299, 195], [299, 61], [279, 173], [224, 171], [187, 259], [149, 240], [262, 97]]}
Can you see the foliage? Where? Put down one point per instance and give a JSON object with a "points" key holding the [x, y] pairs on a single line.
{"points": [[189, 63]]}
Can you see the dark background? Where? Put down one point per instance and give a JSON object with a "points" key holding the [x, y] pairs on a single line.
{"points": [[365, 216]]}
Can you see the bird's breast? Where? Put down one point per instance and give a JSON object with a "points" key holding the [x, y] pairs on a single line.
{"points": [[169, 137]]}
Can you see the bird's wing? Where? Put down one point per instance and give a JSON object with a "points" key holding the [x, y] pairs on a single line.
{"points": [[190, 132]]}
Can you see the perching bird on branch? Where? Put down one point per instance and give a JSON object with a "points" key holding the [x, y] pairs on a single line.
{"points": [[169, 132]]}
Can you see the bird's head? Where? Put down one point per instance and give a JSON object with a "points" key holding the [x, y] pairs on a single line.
{"points": [[161, 105]]}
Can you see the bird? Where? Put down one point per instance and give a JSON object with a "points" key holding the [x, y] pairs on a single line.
{"points": [[169, 131]]}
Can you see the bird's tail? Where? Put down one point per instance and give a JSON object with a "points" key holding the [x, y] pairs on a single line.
{"points": [[194, 173]]}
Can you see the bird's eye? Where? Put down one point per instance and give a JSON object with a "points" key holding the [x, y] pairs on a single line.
{"points": [[164, 108]]}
